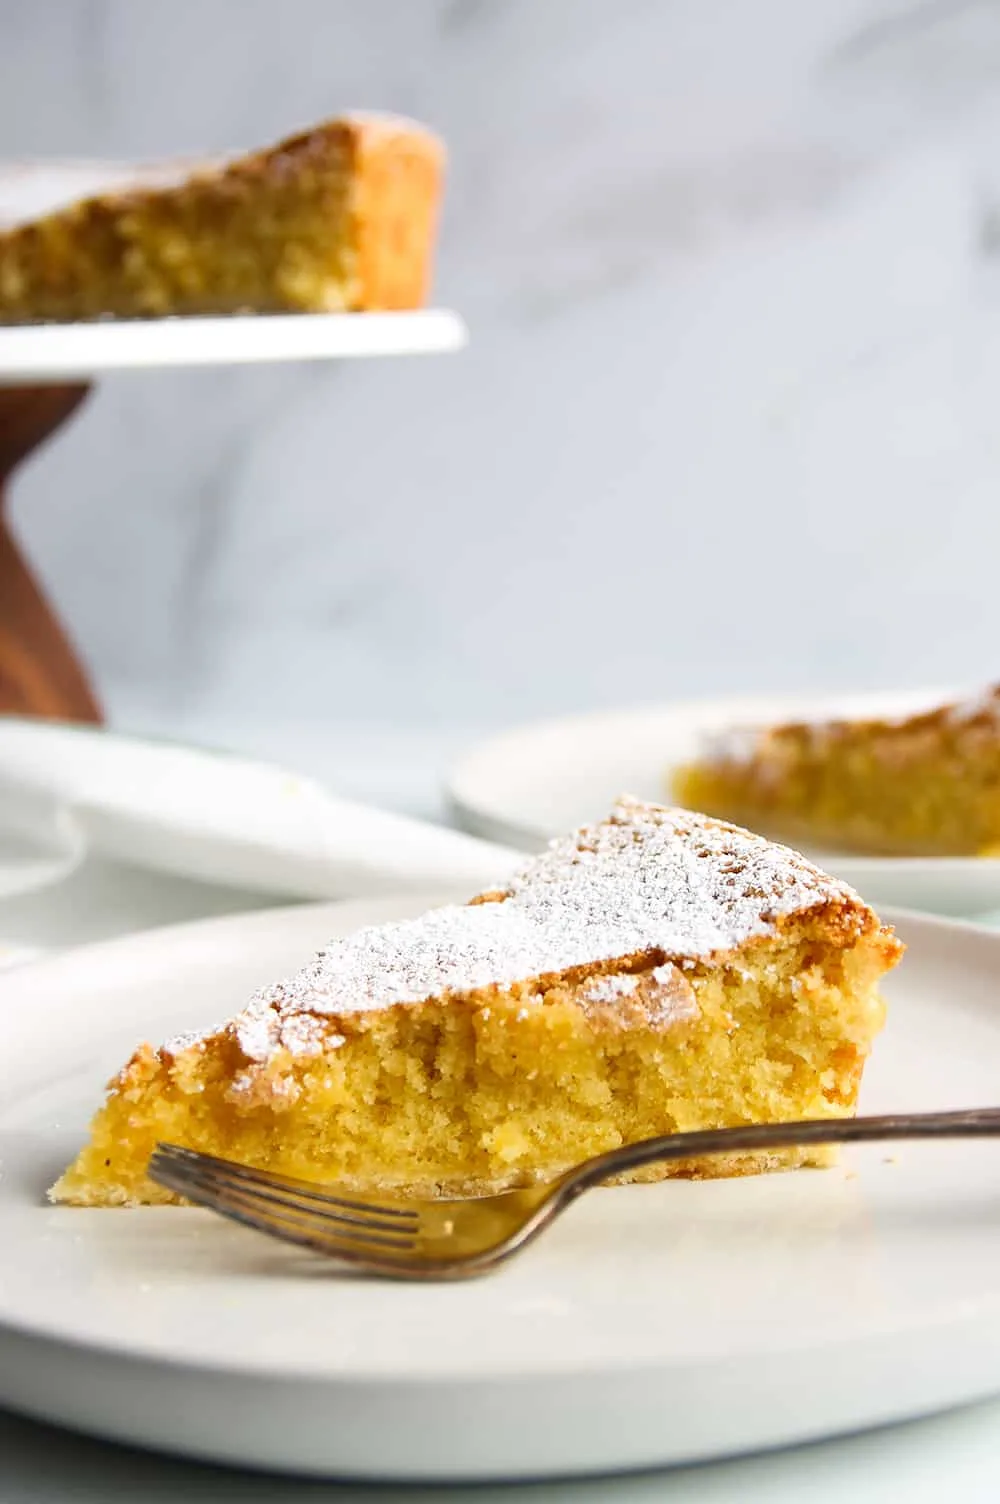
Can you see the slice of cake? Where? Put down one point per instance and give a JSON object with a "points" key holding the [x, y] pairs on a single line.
{"points": [[926, 784], [339, 217], [657, 972]]}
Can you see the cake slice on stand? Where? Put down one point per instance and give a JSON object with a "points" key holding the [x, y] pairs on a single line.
{"points": [[339, 217]]}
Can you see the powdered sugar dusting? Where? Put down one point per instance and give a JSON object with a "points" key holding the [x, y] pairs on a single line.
{"points": [[670, 996], [178, 1043], [984, 706], [732, 744], [646, 880], [611, 989], [661, 997]]}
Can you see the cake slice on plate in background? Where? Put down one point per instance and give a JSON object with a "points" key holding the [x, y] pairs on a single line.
{"points": [[656, 972], [918, 785]]}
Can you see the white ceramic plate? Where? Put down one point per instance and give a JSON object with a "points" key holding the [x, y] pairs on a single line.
{"points": [[535, 782], [653, 1324], [211, 817], [61, 352]]}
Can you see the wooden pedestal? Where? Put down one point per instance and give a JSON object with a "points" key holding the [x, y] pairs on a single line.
{"points": [[40, 673]]}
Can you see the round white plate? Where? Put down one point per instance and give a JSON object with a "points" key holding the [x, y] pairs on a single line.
{"points": [[653, 1324], [211, 817], [61, 352], [535, 782]]}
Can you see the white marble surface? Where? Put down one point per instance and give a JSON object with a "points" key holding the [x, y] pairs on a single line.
{"points": [[728, 420]]}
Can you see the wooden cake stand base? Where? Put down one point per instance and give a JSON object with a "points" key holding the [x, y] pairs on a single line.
{"points": [[40, 673]]}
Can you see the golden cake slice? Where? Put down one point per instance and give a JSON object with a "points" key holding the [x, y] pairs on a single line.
{"points": [[338, 217], [926, 784], [657, 972]]}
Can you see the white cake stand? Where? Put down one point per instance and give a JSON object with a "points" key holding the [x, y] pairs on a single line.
{"points": [[45, 372], [78, 352]]}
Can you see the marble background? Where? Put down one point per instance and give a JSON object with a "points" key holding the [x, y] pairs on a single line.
{"points": [[730, 418]]}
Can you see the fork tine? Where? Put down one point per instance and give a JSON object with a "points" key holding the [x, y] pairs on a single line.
{"points": [[208, 1185], [367, 1254], [216, 1179], [313, 1229], [321, 1231], [308, 1190]]}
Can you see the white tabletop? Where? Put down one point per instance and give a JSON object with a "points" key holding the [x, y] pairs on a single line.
{"points": [[914, 1462]]}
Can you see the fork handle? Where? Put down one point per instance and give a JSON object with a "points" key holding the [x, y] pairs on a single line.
{"points": [[975, 1122]]}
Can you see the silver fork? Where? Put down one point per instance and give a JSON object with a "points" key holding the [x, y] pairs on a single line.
{"points": [[453, 1239]]}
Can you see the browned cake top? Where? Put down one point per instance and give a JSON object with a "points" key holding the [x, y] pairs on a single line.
{"points": [[647, 883], [966, 721], [31, 191]]}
